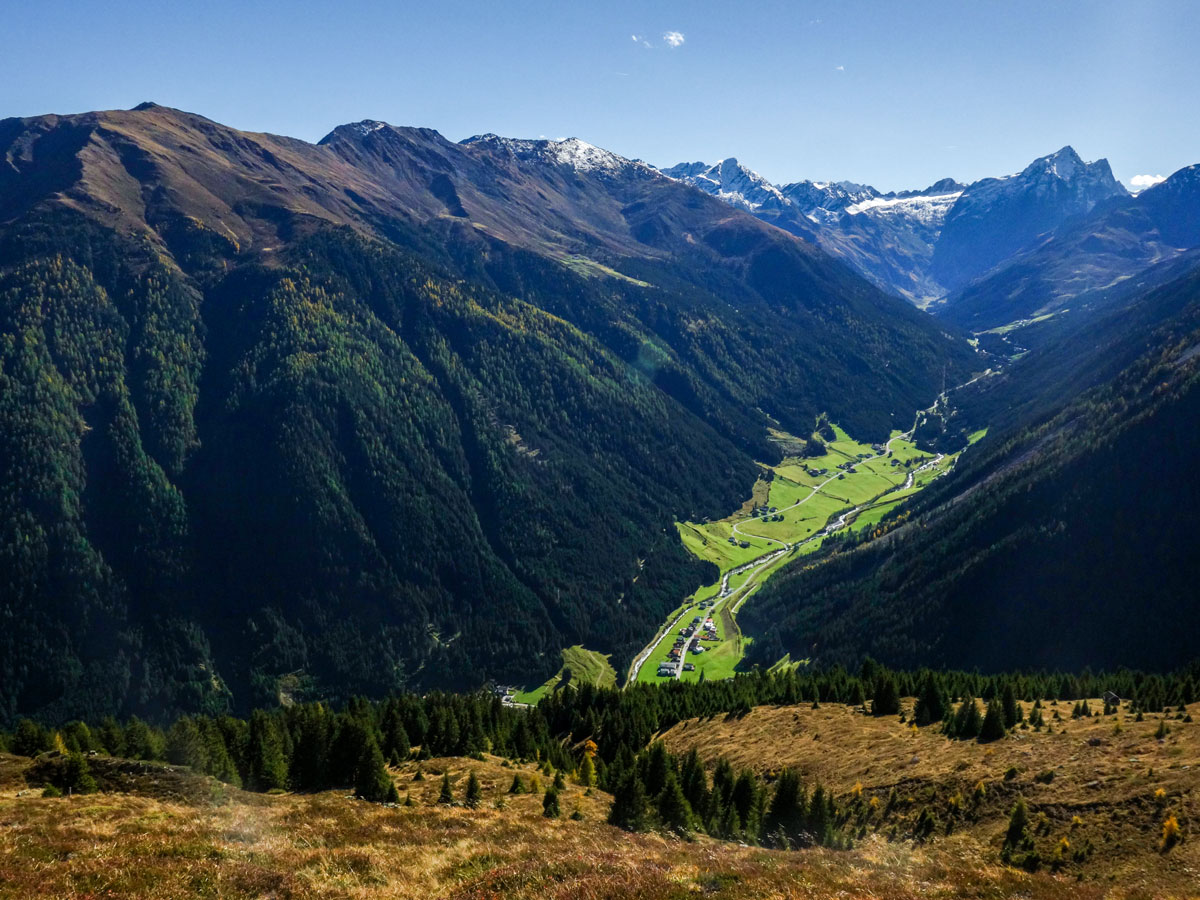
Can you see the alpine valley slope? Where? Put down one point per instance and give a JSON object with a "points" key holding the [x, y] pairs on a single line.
{"points": [[282, 420], [1065, 538]]}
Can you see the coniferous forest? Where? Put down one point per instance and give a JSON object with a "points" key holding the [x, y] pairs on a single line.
{"points": [[303, 445], [602, 737]]}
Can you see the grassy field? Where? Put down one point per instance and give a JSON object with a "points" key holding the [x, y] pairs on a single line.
{"points": [[586, 667], [1110, 791], [804, 504]]}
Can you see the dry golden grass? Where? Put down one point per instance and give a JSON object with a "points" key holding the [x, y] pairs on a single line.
{"points": [[1112, 787], [329, 845]]}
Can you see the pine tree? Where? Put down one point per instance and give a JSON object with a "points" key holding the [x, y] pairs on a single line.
{"points": [[967, 721], [77, 776], [673, 809], [517, 786], [587, 772], [886, 699], [30, 738], [447, 794], [630, 808], [268, 769], [932, 705], [658, 764], [1017, 836], [474, 792], [785, 814], [550, 806], [559, 782], [1012, 711], [372, 781], [992, 728], [747, 800], [694, 781], [186, 745]]}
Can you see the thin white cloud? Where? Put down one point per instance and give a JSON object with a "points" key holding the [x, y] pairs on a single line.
{"points": [[839, 68], [1141, 182], [673, 38], [641, 41]]}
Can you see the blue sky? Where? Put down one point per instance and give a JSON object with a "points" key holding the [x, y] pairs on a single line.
{"points": [[896, 94]]}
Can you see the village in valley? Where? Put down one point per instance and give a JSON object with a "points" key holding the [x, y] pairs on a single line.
{"points": [[689, 641], [796, 505]]}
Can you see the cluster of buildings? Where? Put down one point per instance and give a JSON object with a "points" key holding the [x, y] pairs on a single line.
{"points": [[688, 641]]}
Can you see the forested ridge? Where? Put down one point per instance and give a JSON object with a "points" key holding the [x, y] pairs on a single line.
{"points": [[273, 443]]}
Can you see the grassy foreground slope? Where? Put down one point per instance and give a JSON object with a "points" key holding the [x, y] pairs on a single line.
{"points": [[1103, 784], [235, 845]]}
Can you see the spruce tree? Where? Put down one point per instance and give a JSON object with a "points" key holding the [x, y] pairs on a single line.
{"points": [[139, 742], [747, 800], [820, 818], [967, 721], [886, 699], [630, 808], [550, 806], [730, 826], [785, 814], [1017, 836], [219, 764], [1012, 711], [77, 776], [112, 737], [932, 705], [186, 745], [30, 739], [673, 809], [474, 793], [395, 737], [517, 786], [657, 765], [992, 728], [268, 768], [372, 781], [587, 772], [447, 794], [694, 781]]}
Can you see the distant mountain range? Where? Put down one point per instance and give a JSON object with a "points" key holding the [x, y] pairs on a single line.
{"points": [[985, 254]]}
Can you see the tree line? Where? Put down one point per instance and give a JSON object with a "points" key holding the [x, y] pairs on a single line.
{"points": [[607, 733]]}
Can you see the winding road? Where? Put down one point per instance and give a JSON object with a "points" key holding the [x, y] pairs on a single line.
{"points": [[764, 561]]}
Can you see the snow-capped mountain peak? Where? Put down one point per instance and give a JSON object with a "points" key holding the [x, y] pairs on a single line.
{"points": [[578, 154], [730, 181]]}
